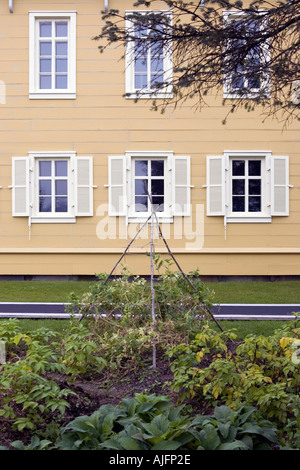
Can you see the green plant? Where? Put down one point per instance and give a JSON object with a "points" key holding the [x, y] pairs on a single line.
{"points": [[79, 352], [257, 372], [243, 429], [150, 422]]}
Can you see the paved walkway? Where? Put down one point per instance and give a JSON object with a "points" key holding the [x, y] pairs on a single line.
{"points": [[220, 311]]}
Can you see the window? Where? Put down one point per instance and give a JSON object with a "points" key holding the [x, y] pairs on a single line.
{"points": [[148, 179], [137, 175], [52, 187], [52, 181], [248, 61], [52, 56], [148, 57], [247, 186]]}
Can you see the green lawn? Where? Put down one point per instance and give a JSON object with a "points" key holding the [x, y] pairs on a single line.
{"points": [[284, 292], [225, 292]]}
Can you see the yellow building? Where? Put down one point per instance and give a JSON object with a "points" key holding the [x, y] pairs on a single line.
{"points": [[74, 153]]}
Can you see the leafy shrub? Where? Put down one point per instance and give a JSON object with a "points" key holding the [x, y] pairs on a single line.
{"points": [[153, 423], [79, 352], [259, 373]]}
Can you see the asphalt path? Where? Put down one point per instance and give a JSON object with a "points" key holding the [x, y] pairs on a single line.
{"points": [[220, 311]]}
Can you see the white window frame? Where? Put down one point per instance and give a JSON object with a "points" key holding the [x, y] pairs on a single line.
{"points": [[265, 214], [140, 216], [52, 217], [130, 91], [34, 91], [275, 190], [228, 91], [121, 185]]}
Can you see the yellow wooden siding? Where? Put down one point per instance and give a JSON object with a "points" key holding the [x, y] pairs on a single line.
{"points": [[101, 122]]}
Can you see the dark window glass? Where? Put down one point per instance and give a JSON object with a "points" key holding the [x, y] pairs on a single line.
{"points": [[238, 204], [238, 168], [254, 168], [157, 187], [254, 204], [238, 187], [255, 187]]}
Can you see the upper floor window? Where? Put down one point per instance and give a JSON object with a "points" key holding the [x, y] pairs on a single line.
{"points": [[148, 56], [52, 55], [246, 56]]}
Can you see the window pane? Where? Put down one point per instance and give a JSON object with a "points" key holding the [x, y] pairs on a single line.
{"points": [[61, 29], [253, 82], [61, 204], [61, 168], [254, 204], [45, 65], [157, 187], [157, 49], [238, 204], [45, 48], [45, 187], [141, 168], [45, 29], [157, 168], [140, 81], [45, 82], [45, 168], [254, 168], [156, 79], [61, 82], [61, 187], [238, 187], [45, 204], [61, 48], [255, 187], [61, 65], [140, 65], [238, 168], [157, 65], [158, 203], [141, 204], [140, 187]]}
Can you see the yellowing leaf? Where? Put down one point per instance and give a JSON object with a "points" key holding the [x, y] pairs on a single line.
{"points": [[285, 341]]}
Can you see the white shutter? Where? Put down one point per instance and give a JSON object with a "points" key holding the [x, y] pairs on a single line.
{"points": [[215, 196], [279, 185], [117, 185], [181, 186], [83, 186], [20, 186]]}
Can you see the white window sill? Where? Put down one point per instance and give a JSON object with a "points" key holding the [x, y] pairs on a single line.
{"points": [[249, 220], [142, 220], [53, 220], [148, 95], [52, 96], [249, 96]]}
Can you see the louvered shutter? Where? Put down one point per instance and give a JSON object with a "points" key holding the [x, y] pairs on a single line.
{"points": [[181, 186], [117, 186], [83, 186], [279, 185], [20, 186], [215, 185]]}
